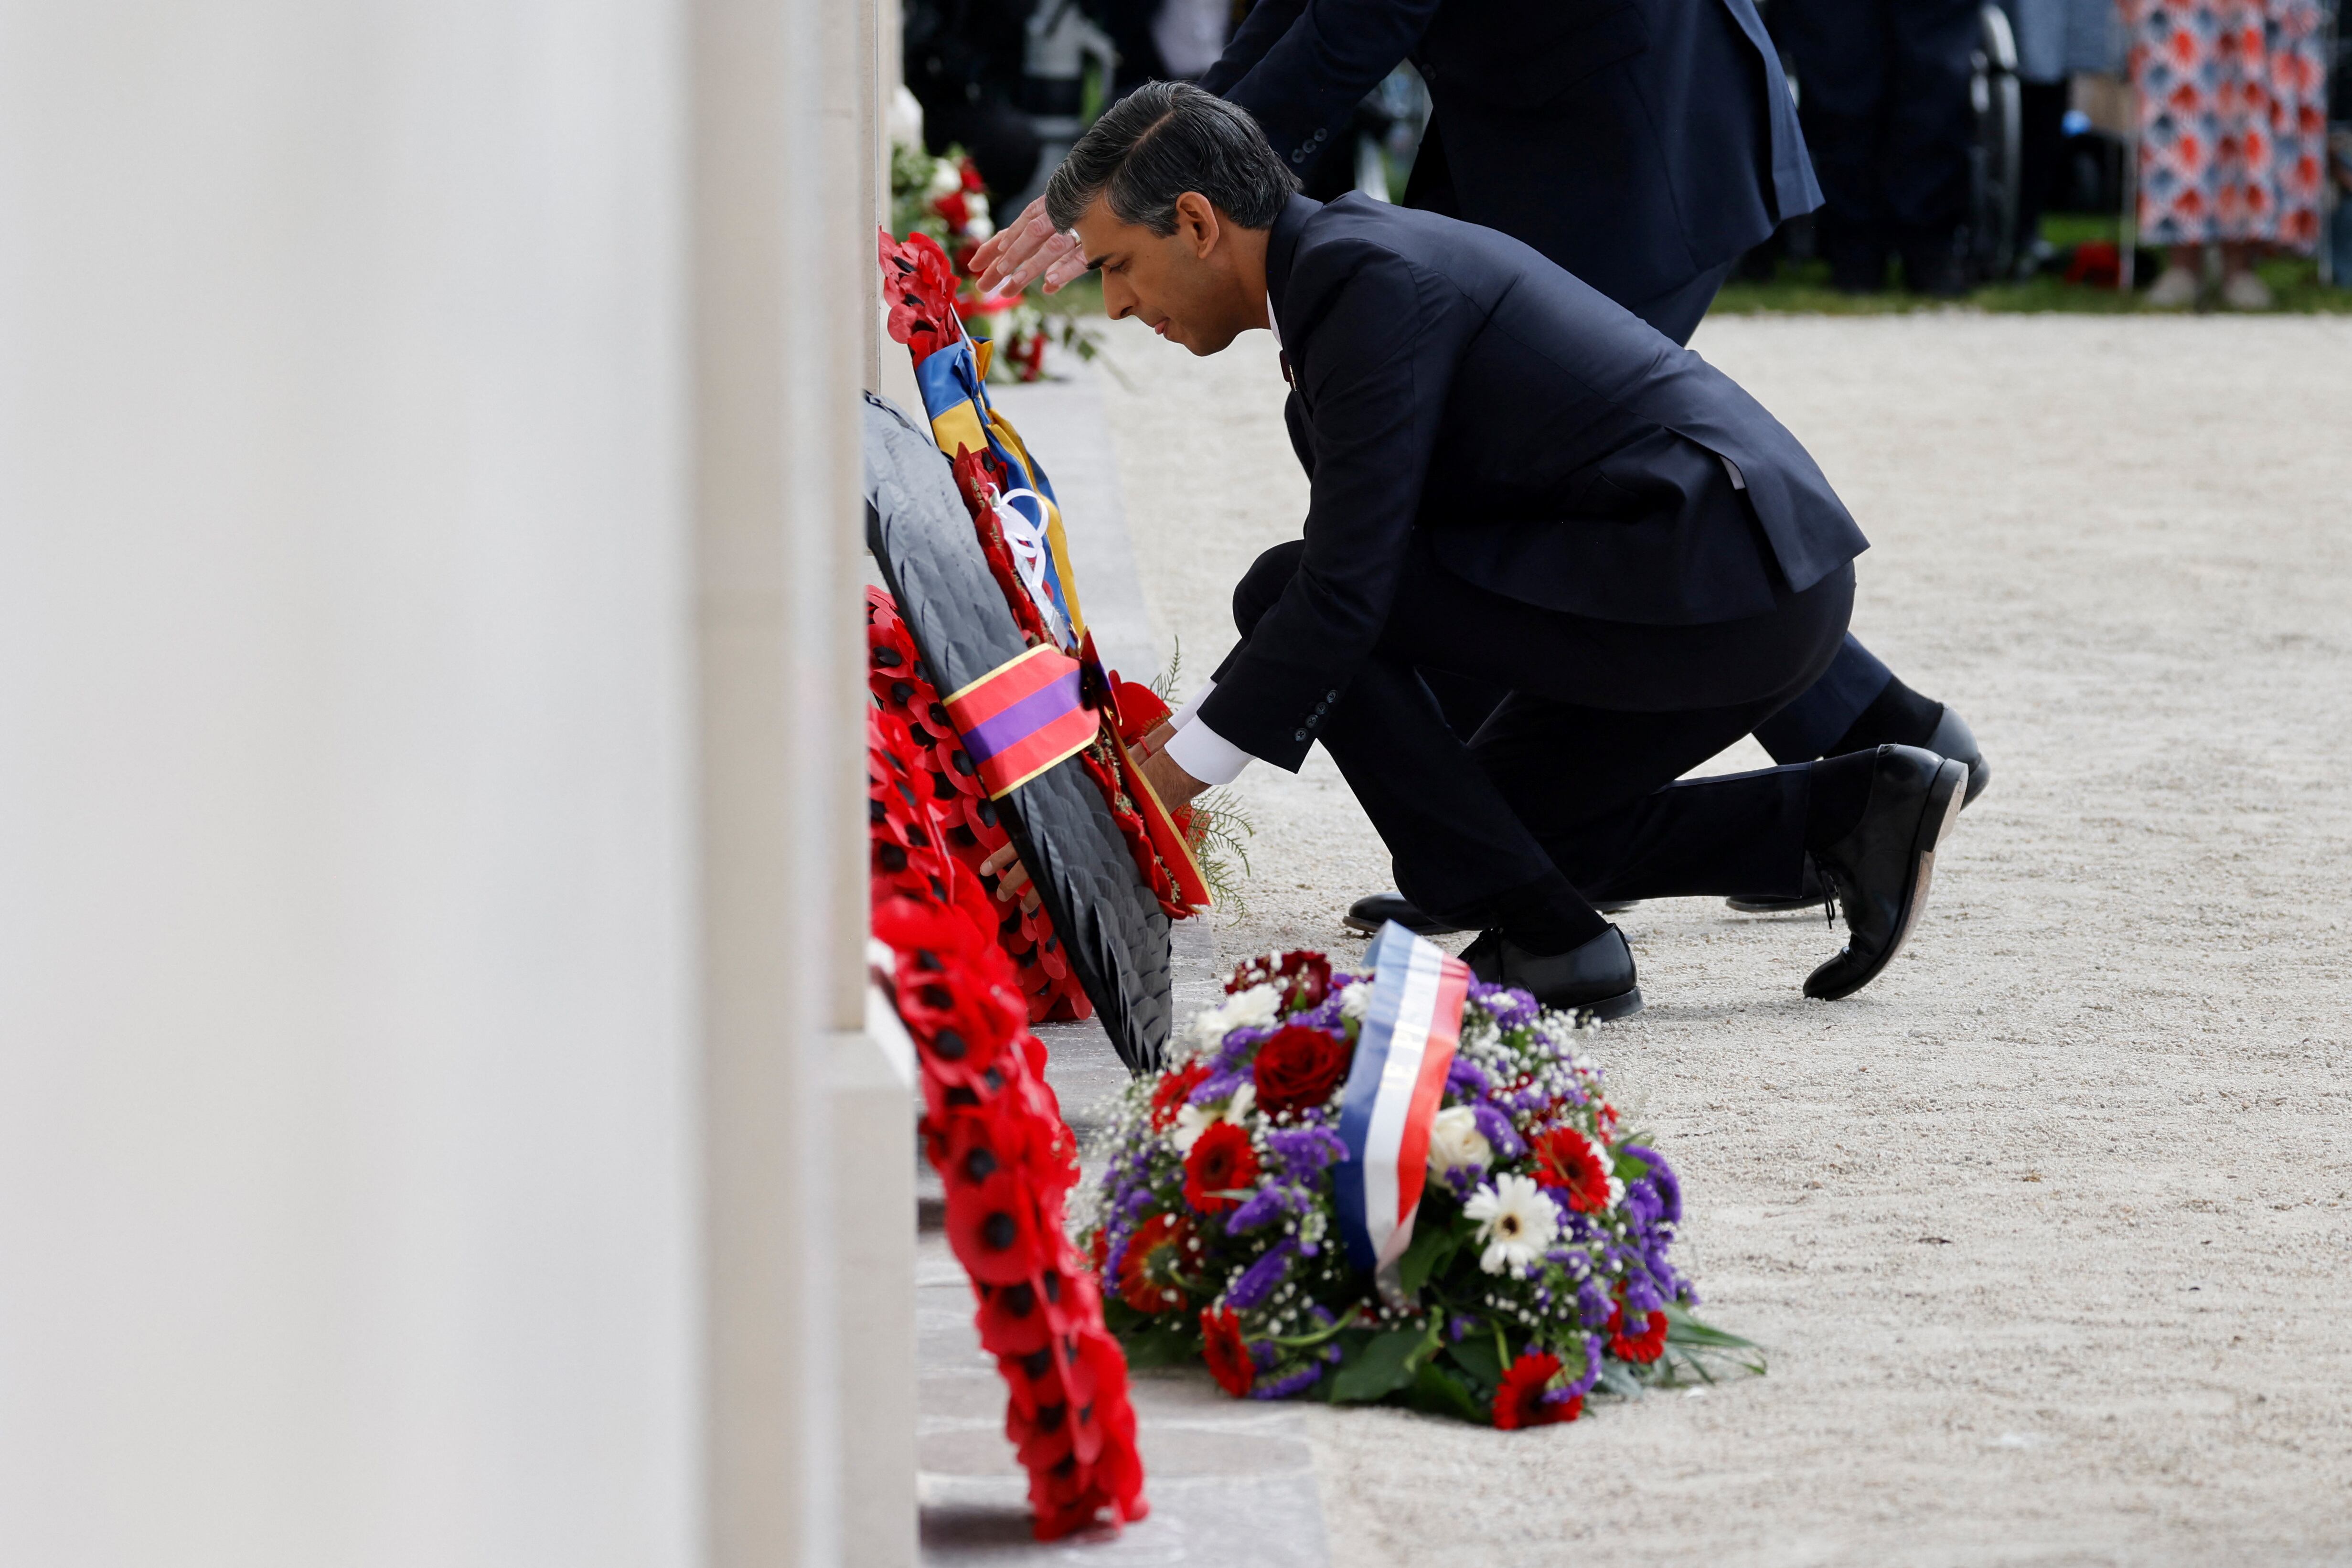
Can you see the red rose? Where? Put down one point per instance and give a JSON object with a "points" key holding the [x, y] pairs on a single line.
{"points": [[1308, 974], [1168, 1096], [1519, 1401], [1150, 1270], [1222, 1160], [1641, 1348], [1228, 1357], [1298, 1068], [1566, 1158]]}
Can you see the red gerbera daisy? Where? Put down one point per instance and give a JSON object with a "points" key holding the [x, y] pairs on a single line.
{"points": [[1228, 1356], [1519, 1401], [1222, 1160], [1149, 1277], [1171, 1091], [1566, 1158], [1641, 1348]]}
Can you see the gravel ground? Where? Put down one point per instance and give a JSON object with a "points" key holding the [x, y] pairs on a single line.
{"points": [[2046, 1230]]}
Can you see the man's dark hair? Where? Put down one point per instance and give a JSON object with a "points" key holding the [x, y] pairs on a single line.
{"points": [[1160, 141]]}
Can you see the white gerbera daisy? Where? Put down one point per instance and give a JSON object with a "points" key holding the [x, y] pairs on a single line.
{"points": [[1456, 1143], [1191, 1121], [1516, 1221], [1355, 1000]]}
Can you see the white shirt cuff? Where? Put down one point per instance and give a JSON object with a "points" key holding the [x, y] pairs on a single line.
{"points": [[1202, 751]]}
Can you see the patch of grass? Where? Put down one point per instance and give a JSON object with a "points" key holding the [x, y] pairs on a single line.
{"points": [[1803, 287]]}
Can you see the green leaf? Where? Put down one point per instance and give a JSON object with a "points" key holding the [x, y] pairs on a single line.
{"points": [[1477, 1356], [1386, 1366], [1160, 1346], [1438, 1392], [1629, 1167], [1433, 1247]]}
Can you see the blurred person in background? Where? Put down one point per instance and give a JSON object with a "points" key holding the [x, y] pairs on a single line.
{"points": [[1165, 40], [2056, 39], [2233, 130], [964, 64], [1883, 87], [1642, 146]]}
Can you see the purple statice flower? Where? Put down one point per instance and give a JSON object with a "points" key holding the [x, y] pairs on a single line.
{"points": [[1285, 1387], [1235, 1053], [1461, 1180], [1468, 1080], [1661, 1180], [1266, 1204], [1264, 1353], [1641, 1296], [1592, 1304], [1458, 1325], [1258, 1280], [1592, 1370], [1217, 1086], [1511, 1008], [1306, 1152], [1138, 1204], [1642, 1205], [1497, 1130]]}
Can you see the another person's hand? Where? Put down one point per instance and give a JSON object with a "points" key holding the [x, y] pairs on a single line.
{"points": [[1012, 879], [1016, 254]]}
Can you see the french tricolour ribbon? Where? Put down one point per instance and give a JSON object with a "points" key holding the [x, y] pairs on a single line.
{"points": [[1021, 717], [1402, 1055]]}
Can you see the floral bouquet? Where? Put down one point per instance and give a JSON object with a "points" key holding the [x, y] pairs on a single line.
{"points": [[943, 197], [1402, 1186]]}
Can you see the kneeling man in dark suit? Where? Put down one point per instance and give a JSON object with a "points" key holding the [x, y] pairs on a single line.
{"points": [[1516, 480]]}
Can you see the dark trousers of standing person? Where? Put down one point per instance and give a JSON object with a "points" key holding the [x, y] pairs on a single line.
{"points": [[1883, 95], [1567, 794]]}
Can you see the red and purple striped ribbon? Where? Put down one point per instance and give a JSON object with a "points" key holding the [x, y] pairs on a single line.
{"points": [[1021, 717]]}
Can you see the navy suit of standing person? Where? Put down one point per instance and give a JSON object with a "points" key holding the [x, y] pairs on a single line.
{"points": [[1644, 145], [1516, 481]]}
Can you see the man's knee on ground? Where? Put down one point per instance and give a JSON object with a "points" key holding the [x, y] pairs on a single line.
{"points": [[1263, 583]]}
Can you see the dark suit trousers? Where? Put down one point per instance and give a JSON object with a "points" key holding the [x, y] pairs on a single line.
{"points": [[1567, 791], [1811, 723]]}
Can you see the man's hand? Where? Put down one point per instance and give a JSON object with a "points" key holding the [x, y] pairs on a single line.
{"points": [[1016, 254], [1012, 879], [1174, 787]]}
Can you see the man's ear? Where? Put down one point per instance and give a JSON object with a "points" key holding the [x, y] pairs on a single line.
{"points": [[1197, 222]]}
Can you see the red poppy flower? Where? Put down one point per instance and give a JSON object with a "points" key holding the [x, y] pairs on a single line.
{"points": [[992, 1229], [1309, 974], [1168, 1096], [1566, 1158], [1222, 1160], [1641, 1348], [1150, 1270], [1228, 1356], [954, 209], [920, 283], [1300, 1067], [1519, 1400]]}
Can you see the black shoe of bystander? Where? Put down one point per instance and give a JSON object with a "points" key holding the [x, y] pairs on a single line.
{"points": [[1374, 910]]}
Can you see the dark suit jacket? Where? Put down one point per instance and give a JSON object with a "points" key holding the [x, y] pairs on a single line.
{"points": [[1555, 448], [1636, 142]]}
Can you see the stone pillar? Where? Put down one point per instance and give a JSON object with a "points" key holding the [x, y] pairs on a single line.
{"points": [[350, 1103]]}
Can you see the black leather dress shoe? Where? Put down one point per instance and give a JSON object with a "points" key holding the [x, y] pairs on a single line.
{"points": [[1811, 894], [1597, 978], [1881, 869], [1372, 911], [1953, 738]]}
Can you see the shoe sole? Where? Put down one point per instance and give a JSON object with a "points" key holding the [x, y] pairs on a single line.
{"points": [[1366, 928], [1945, 796], [1625, 1004], [1773, 905]]}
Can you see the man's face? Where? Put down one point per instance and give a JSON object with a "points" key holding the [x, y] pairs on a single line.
{"points": [[1183, 286]]}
